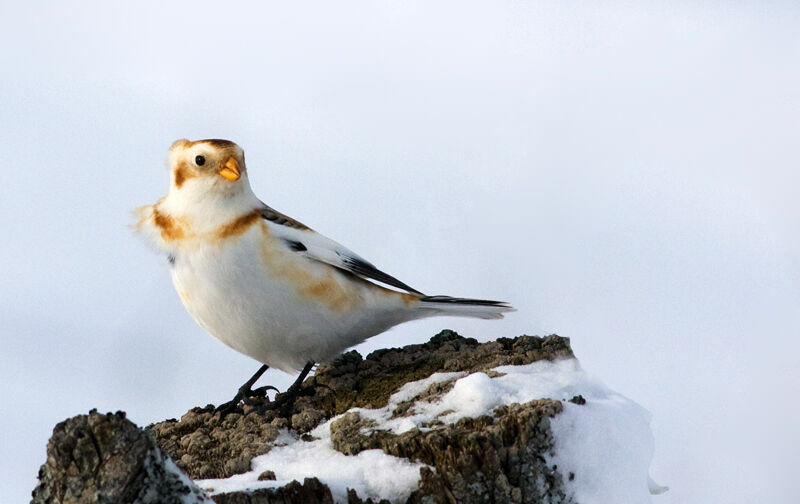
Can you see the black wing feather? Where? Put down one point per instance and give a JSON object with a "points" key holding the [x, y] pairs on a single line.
{"points": [[365, 269], [295, 245]]}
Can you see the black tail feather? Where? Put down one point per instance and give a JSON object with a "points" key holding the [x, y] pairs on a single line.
{"points": [[464, 301]]}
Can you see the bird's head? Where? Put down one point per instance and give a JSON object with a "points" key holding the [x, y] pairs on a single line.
{"points": [[209, 188], [207, 166]]}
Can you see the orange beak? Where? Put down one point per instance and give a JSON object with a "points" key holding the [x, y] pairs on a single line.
{"points": [[230, 170]]}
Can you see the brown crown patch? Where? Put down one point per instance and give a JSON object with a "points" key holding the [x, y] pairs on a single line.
{"points": [[216, 142]]}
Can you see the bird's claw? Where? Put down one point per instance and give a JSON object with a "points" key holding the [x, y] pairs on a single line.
{"points": [[262, 391], [248, 396], [258, 396]]}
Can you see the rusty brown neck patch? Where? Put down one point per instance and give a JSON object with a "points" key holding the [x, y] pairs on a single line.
{"points": [[171, 228], [239, 225], [175, 228]]}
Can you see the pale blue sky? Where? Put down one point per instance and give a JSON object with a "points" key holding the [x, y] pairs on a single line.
{"points": [[625, 173]]}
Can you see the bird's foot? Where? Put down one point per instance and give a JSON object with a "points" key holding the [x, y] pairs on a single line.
{"points": [[286, 400], [257, 398], [247, 396]]}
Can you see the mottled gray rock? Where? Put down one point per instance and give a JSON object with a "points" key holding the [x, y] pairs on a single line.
{"points": [[105, 459], [312, 491], [206, 446], [497, 458]]}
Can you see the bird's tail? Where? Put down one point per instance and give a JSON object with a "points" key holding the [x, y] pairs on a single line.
{"points": [[463, 307]]}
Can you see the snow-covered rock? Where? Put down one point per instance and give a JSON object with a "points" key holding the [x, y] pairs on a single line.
{"points": [[514, 420]]}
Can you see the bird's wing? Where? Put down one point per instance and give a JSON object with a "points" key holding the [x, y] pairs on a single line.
{"points": [[307, 242], [274, 216]]}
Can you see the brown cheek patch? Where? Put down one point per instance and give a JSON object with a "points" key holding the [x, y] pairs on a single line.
{"points": [[182, 174], [171, 228], [239, 225]]}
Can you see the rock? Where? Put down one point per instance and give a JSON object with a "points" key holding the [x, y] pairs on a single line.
{"points": [[267, 476], [578, 399], [307, 419], [206, 446], [106, 458], [498, 458], [312, 491], [485, 459], [202, 443]]}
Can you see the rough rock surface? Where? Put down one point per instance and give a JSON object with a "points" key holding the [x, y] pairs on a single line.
{"points": [[106, 458], [486, 459], [312, 491]]}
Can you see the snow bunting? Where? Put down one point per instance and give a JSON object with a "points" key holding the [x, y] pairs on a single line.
{"points": [[265, 284]]}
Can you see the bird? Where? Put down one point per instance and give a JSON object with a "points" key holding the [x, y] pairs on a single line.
{"points": [[265, 284]]}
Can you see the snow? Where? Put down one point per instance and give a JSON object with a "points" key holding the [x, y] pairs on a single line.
{"points": [[606, 444], [371, 473], [195, 494]]}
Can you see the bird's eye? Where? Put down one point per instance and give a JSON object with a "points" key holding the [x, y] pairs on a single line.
{"points": [[200, 160]]}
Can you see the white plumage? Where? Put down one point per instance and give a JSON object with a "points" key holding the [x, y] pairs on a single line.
{"points": [[265, 284]]}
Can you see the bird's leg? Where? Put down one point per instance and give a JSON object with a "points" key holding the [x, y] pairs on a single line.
{"points": [[288, 397], [246, 392], [295, 387]]}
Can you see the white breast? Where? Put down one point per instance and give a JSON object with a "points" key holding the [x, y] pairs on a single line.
{"points": [[282, 309]]}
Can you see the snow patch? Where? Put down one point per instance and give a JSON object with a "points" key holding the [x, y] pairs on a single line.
{"points": [[371, 473]]}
